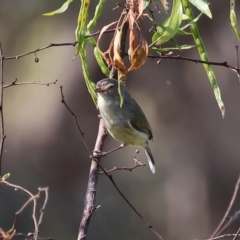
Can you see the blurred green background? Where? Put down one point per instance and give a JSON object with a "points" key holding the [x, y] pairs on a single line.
{"points": [[197, 153]]}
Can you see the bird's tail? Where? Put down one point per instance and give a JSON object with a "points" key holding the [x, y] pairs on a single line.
{"points": [[151, 161]]}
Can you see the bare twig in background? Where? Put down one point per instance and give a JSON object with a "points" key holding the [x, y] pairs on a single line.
{"points": [[16, 57], [220, 236], [76, 120], [137, 164], [14, 83], [168, 57], [218, 229], [124, 168], [32, 198], [178, 57], [230, 221], [237, 234], [2, 135]]}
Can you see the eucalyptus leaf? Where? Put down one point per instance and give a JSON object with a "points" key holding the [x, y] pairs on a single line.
{"points": [[233, 18], [171, 26], [202, 6], [62, 9]]}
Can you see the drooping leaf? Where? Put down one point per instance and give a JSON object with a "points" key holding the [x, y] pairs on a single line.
{"points": [[97, 14], [233, 19], [82, 24], [117, 59], [171, 26], [204, 57], [81, 33], [62, 9], [138, 49], [202, 6]]}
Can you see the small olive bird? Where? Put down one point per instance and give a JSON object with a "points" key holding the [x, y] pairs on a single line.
{"points": [[127, 123]]}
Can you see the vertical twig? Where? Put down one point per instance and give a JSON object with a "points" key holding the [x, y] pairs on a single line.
{"points": [[90, 197], [2, 135]]}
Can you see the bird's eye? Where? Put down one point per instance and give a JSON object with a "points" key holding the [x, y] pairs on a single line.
{"points": [[110, 87]]}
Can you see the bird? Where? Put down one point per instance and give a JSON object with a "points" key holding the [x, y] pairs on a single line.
{"points": [[127, 123]]}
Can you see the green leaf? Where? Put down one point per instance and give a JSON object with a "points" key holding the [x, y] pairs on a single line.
{"points": [[97, 14], [233, 18], [62, 9], [191, 22], [181, 32], [120, 93], [5, 177], [202, 6], [81, 33], [100, 61], [203, 55], [171, 26], [86, 73], [183, 47], [82, 24]]}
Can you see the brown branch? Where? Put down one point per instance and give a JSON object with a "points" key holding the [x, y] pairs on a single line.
{"points": [[90, 197], [14, 83], [130, 169], [218, 229], [2, 135], [178, 57], [16, 57]]}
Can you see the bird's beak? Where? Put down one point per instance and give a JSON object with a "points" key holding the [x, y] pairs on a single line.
{"points": [[98, 90]]}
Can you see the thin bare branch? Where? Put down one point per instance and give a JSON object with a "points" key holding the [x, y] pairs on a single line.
{"points": [[16, 57], [237, 234], [2, 134], [45, 190], [130, 169], [33, 198], [76, 121], [220, 236], [230, 221], [218, 229], [178, 57], [15, 83]]}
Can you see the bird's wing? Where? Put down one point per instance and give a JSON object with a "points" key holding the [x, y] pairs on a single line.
{"points": [[138, 119]]}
